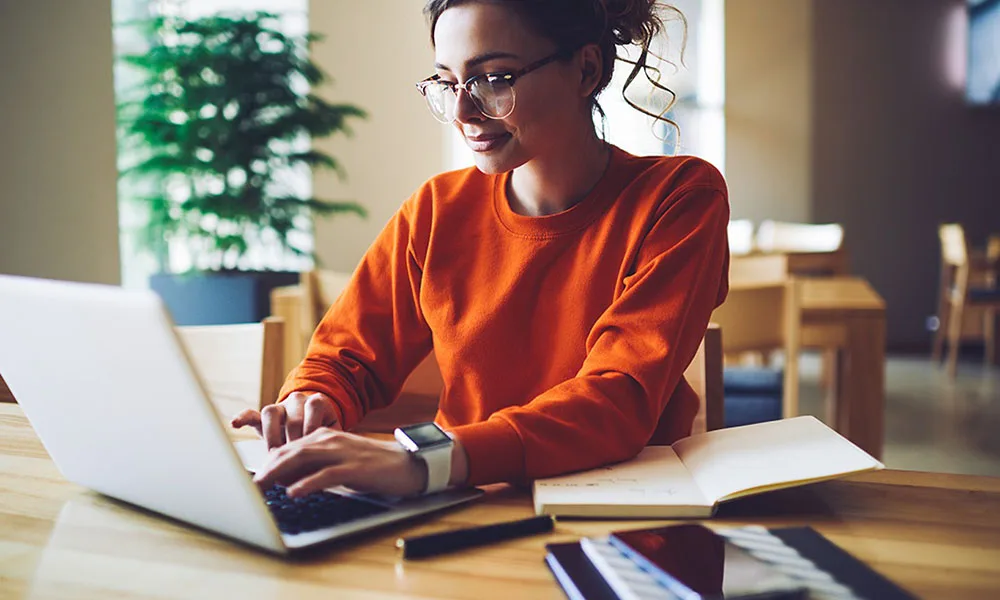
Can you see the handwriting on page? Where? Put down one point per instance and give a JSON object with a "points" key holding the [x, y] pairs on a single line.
{"points": [[608, 481]]}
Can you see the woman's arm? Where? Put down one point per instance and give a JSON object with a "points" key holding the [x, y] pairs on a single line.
{"points": [[374, 335]]}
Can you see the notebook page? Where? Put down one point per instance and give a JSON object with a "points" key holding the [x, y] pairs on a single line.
{"points": [[656, 477], [728, 463]]}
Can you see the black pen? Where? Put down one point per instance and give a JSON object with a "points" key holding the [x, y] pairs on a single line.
{"points": [[448, 541]]}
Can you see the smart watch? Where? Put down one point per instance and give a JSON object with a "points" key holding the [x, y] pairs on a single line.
{"points": [[433, 445]]}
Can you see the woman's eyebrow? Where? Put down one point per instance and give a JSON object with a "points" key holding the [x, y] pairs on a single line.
{"points": [[480, 59]]}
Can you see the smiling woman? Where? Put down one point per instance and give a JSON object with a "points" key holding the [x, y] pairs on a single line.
{"points": [[563, 283]]}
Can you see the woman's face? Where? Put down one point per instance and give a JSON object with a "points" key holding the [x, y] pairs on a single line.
{"points": [[484, 37]]}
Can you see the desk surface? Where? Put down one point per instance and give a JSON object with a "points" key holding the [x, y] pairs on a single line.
{"points": [[937, 535]]}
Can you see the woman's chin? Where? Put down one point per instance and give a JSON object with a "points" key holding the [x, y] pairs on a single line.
{"points": [[493, 163]]}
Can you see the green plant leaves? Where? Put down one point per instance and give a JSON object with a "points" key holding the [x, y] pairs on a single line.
{"points": [[223, 114]]}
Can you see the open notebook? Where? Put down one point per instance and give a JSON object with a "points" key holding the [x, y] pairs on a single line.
{"points": [[690, 478]]}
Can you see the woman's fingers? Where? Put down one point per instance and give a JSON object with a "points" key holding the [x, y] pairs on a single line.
{"points": [[273, 419], [295, 460], [327, 477], [318, 412], [248, 418]]}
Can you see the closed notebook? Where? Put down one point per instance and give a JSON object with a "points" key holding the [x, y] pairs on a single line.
{"points": [[796, 558], [691, 477]]}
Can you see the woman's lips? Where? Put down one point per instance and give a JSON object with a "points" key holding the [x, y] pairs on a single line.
{"points": [[486, 142]]}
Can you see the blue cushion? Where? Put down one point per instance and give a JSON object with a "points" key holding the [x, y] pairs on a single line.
{"points": [[752, 380], [984, 295], [746, 410]]}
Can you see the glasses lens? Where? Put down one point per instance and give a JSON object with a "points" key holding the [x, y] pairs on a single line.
{"points": [[441, 100], [494, 96]]}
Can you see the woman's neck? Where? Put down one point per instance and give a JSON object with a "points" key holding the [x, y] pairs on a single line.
{"points": [[549, 185]]}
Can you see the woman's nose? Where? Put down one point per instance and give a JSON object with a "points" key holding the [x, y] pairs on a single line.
{"points": [[466, 110]]}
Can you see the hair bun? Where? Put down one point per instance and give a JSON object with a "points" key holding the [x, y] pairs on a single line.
{"points": [[631, 21]]}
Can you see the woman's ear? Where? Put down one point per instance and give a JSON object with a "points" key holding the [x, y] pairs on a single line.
{"points": [[591, 68]]}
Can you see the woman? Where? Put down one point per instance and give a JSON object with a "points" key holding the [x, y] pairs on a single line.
{"points": [[563, 283]]}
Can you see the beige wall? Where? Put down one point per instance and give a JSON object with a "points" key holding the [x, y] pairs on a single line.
{"points": [[58, 199], [768, 108], [375, 50]]}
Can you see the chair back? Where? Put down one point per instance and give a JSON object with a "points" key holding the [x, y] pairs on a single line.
{"points": [[242, 366], [954, 252], [761, 317], [758, 268], [740, 234], [704, 374], [322, 288], [993, 248], [780, 236]]}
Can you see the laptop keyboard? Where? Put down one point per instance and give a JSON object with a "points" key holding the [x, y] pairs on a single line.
{"points": [[316, 511]]}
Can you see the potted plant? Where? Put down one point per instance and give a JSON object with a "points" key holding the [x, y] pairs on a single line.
{"points": [[215, 149]]}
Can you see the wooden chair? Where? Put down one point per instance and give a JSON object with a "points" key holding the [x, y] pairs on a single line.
{"points": [[965, 284], [241, 365], [762, 317], [302, 306], [705, 376]]}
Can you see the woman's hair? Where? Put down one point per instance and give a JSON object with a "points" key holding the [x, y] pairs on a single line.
{"points": [[571, 24]]}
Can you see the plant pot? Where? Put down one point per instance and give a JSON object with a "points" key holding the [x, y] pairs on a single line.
{"points": [[220, 298]]}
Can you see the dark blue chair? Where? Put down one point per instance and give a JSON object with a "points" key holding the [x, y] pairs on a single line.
{"points": [[760, 314], [751, 395]]}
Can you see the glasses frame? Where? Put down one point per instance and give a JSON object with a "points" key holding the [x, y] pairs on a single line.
{"points": [[509, 77]]}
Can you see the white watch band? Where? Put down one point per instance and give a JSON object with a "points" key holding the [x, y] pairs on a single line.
{"points": [[438, 461]]}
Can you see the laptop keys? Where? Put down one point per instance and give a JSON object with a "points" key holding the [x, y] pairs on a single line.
{"points": [[316, 511]]}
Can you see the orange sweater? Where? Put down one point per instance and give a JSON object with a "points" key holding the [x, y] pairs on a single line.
{"points": [[562, 340]]}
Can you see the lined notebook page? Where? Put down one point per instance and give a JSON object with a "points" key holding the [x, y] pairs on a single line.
{"points": [[729, 463]]}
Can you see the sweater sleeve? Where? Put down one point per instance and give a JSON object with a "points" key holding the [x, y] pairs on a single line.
{"points": [[374, 334], [637, 352]]}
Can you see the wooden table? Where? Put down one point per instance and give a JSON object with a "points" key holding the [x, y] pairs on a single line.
{"points": [[936, 535], [845, 313], [799, 264]]}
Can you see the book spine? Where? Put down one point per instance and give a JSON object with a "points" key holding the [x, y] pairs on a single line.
{"points": [[565, 581]]}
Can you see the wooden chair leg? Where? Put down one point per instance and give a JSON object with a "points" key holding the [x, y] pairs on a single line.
{"points": [[942, 330], [954, 339], [989, 336]]}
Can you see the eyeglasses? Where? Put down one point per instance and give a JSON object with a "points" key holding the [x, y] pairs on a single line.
{"points": [[492, 93]]}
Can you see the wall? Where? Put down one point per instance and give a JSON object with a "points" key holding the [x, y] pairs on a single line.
{"points": [[891, 150], [375, 50], [768, 108], [896, 149], [58, 198]]}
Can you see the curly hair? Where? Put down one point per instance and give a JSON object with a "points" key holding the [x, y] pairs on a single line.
{"points": [[572, 24]]}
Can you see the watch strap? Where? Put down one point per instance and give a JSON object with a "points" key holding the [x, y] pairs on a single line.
{"points": [[438, 461]]}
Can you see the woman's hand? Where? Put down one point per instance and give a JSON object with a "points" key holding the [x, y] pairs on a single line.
{"points": [[328, 458], [300, 414]]}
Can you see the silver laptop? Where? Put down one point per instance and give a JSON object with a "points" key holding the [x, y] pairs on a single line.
{"points": [[104, 380]]}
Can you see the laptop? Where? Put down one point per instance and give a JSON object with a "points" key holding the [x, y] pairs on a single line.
{"points": [[107, 386]]}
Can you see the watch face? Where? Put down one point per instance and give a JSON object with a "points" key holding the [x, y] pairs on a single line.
{"points": [[426, 435]]}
